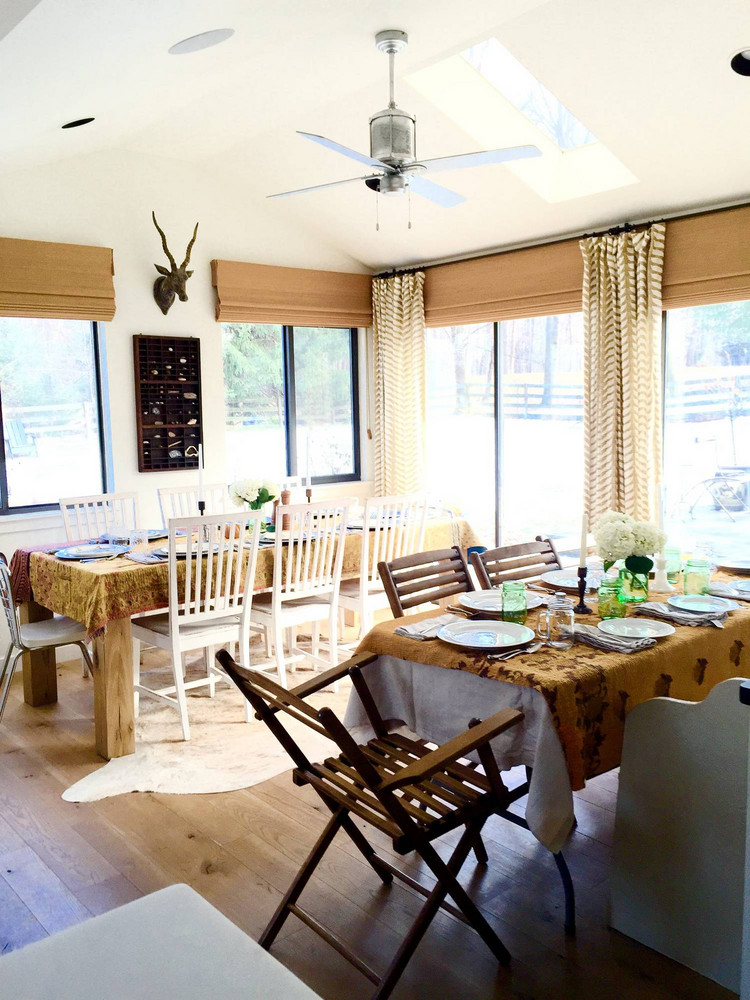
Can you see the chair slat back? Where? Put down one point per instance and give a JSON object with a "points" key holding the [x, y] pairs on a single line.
{"points": [[514, 562], [9, 604], [215, 577], [309, 556], [393, 527], [182, 501], [89, 517], [424, 577]]}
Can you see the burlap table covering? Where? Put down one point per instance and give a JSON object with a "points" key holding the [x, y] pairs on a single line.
{"points": [[97, 593], [589, 692]]}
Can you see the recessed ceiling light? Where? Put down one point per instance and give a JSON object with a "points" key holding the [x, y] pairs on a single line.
{"points": [[77, 122], [203, 41], [741, 62]]}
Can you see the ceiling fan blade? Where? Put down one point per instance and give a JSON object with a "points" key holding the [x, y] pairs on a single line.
{"points": [[434, 192], [318, 187], [345, 151], [481, 159]]}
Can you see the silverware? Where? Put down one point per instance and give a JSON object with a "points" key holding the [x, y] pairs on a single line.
{"points": [[533, 647]]}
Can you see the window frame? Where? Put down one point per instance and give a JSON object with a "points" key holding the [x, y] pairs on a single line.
{"points": [[104, 457]]}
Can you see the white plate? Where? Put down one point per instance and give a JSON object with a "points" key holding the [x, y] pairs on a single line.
{"points": [[702, 603], [567, 579], [642, 628], [742, 585], [180, 550], [486, 635], [491, 601], [742, 565], [90, 551]]}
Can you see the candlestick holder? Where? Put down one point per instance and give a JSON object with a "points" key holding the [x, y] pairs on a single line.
{"points": [[582, 608], [308, 494], [661, 584], [201, 507]]}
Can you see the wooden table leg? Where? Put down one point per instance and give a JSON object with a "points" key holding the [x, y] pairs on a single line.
{"points": [[39, 667], [114, 715]]}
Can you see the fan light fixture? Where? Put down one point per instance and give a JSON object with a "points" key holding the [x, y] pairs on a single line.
{"points": [[741, 62], [205, 40], [78, 122]]}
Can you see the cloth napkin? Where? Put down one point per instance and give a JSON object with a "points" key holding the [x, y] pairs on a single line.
{"points": [[428, 628], [145, 557], [718, 589], [655, 609], [592, 636]]}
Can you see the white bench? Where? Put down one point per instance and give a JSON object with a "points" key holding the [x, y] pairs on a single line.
{"points": [[172, 945]]}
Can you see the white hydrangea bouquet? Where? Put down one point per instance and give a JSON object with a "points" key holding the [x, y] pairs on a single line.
{"points": [[619, 536], [253, 492]]}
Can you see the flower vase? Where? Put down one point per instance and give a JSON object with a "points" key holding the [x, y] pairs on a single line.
{"points": [[633, 586]]}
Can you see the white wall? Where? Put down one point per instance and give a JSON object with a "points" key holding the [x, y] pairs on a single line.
{"points": [[106, 199]]}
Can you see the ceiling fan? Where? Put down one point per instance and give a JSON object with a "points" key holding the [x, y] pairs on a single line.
{"points": [[393, 148]]}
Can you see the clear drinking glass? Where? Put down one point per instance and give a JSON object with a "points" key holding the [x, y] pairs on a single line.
{"points": [[697, 576], [514, 602], [138, 540], [674, 564], [558, 616]]}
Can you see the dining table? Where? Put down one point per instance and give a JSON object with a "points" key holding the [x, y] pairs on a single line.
{"points": [[575, 701], [103, 595]]}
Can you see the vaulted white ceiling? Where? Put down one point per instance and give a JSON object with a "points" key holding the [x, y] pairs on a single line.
{"points": [[650, 79]]}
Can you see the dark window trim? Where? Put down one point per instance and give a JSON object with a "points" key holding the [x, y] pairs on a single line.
{"points": [[290, 409], [5, 510]]}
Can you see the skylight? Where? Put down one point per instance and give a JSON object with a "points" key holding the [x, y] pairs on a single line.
{"points": [[493, 61]]}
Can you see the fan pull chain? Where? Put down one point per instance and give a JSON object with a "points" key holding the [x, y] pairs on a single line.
{"points": [[408, 191], [377, 211]]}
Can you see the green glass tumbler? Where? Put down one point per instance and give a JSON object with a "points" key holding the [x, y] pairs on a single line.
{"points": [[611, 604], [697, 576], [674, 564], [514, 602]]}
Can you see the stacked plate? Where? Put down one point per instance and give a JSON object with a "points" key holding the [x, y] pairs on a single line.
{"points": [[91, 551], [486, 636], [567, 579], [490, 602], [702, 603]]}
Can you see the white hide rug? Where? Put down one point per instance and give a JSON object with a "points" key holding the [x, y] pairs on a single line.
{"points": [[224, 752]]}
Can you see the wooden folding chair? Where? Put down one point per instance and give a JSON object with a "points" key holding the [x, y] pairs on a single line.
{"points": [[398, 785], [515, 562], [424, 577]]}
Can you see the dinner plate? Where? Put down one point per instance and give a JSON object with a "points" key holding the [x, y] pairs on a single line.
{"points": [[491, 601], [567, 579], [486, 635], [91, 551], [702, 603], [180, 550], [115, 538], [737, 565], [632, 628], [743, 585]]}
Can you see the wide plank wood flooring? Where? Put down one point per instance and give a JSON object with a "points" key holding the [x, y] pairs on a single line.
{"points": [[60, 863]]}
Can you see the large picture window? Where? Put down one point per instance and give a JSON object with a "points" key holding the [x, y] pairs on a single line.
{"points": [[292, 402], [50, 410], [707, 423]]}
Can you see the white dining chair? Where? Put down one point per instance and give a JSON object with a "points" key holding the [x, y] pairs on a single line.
{"points": [[306, 578], [392, 527], [182, 501], [47, 634], [211, 575], [89, 517]]}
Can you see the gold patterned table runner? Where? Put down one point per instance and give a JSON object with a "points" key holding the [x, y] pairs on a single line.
{"points": [[590, 692], [100, 592]]}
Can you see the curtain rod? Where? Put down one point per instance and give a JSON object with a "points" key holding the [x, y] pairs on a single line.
{"points": [[625, 227]]}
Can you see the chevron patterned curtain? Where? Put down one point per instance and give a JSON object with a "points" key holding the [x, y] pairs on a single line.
{"points": [[399, 356], [622, 313]]}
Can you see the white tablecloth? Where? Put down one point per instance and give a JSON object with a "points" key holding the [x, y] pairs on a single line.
{"points": [[437, 704]]}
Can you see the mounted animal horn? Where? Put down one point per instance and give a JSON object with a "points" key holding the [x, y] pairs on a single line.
{"points": [[172, 280]]}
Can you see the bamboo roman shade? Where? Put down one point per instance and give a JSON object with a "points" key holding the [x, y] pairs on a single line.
{"points": [[707, 258], [56, 280], [262, 293], [537, 281]]}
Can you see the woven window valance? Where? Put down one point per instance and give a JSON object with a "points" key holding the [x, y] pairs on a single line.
{"points": [[56, 280], [263, 293], [707, 258]]}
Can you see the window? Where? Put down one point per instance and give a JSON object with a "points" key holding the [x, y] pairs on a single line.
{"points": [[50, 403], [505, 402], [707, 424], [292, 405], [525, 92]]}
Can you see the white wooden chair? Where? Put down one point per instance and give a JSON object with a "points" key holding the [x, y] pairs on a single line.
{"points": [[393, 527], [182, 501], [50, 633], [89, 517], [210, 598], [306, 578]]}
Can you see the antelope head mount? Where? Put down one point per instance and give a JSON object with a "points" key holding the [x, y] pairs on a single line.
{"points": [[173, 279]]}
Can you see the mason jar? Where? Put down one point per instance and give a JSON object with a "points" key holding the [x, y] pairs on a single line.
{"points": [[611, 604], [555, 620], [697, 576], [514, 602]]}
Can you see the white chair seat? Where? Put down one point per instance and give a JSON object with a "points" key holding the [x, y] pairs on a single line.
{"points": [[350, 588], [57, 631], [295, 612], [160, 625]]}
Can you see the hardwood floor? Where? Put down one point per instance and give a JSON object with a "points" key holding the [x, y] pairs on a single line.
{"points": [[61, 862]]}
